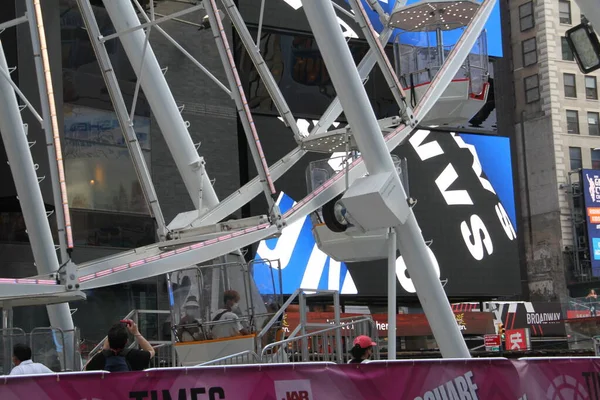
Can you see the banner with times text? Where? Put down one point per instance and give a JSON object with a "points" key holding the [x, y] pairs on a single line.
{"points": [[498, 379]]}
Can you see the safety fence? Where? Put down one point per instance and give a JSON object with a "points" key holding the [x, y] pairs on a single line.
{"points": [[498, 379], [329, 344], [53, 347]]}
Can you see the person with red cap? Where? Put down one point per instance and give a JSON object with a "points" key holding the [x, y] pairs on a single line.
{"points": [[362, 350]]}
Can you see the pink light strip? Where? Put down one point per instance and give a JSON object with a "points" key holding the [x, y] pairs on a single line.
{"points": [[53, 120], [380, 46], [243, 99], [171, 253], [27, 281]]}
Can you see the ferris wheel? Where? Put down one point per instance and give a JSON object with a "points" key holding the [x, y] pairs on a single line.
{"points": [[362, 203]]}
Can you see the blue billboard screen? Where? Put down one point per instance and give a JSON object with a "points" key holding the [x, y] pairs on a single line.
{"points": [[591, 193], [494, 271], [492, 27]]}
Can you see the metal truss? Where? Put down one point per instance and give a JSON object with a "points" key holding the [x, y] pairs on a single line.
{"points": [[198, 236]]}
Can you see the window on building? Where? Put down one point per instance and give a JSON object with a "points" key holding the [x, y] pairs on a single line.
{"points": [[564, 8], [526, 16], [570, 86], [529, 48], [573, 122], [567, 53], [595, 159], [532, 88], [591, 88], [575, 158], [593, 118]]}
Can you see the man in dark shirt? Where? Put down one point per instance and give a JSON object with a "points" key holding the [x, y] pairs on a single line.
{"points": [[137, 360]]}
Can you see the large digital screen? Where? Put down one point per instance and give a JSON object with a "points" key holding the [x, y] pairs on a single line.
{"points": [[591, 193], [288, 15], [463, 184]]}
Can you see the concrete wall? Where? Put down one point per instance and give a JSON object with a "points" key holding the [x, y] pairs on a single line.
{"points": [[537, 159]]}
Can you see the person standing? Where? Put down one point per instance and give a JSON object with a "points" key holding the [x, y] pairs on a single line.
{"points": [[116, 357], [23, 365], [362, 350]]}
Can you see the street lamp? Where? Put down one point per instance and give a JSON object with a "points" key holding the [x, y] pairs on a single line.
{"points": [[584, 44]]}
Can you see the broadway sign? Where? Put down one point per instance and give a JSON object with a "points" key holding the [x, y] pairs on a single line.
{"points": [[542, 319]]}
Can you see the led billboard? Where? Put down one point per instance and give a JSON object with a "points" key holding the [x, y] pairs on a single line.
{"points": [[591, 193], [463, 185]]}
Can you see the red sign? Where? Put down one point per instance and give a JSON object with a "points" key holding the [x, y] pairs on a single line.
{"points": [[573, 314], [517, 339], [492, 340], [470, 323]]}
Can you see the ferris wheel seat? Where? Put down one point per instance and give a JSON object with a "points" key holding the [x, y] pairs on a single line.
{"points": [[456, 106], [194, 353], [351, 247]]}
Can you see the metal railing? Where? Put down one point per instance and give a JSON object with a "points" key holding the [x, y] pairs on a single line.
{"points": [[330, 344], [244, 357]]}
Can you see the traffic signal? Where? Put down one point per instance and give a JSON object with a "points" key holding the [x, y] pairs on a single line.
{"points": [[501, 330]]}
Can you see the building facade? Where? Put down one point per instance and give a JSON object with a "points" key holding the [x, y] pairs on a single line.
{"points": [[555, 119]]}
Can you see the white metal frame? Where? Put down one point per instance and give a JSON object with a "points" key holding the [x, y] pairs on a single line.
{"points": [[171, 255]]}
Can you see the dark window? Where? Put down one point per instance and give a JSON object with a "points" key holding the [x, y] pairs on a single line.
{"points": [[575, 157], [573, 122], [593, 118], [297, 66], [570, 86], [526, 16], [595, 159], [532, 88], [564, 8], [591, 88], [567, 53], [529, 48]]}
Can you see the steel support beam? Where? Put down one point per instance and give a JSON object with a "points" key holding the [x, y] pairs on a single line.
{"points": [[13, 22], [364, 69], [261, 67], [137, 27], [49, 123], [392, 283], [29, 192], [110, 268], [241, 104], [163, 105], [348, 85], [382, 59], [165, 262], [361, 117], [114, 90]]}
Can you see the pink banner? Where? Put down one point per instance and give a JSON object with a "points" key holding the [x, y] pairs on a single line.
{"points": [[498, 379]]}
